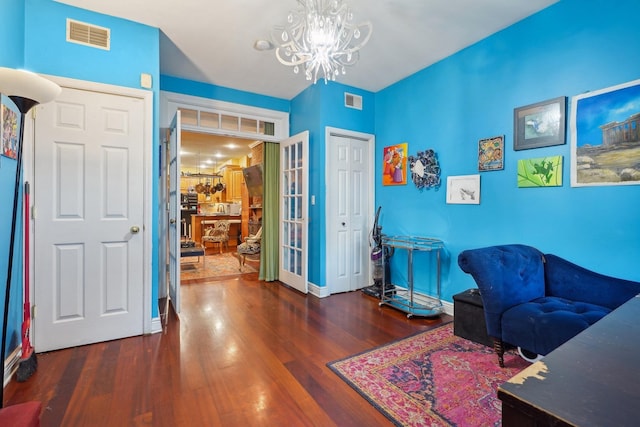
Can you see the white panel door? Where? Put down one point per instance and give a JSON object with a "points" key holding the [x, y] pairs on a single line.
{"points": [[349, 189], [88, 231], [294, 186], [174, 212]]}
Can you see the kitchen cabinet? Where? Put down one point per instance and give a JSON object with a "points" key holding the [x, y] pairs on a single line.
{"points": [[234, 187], [232, 176]]}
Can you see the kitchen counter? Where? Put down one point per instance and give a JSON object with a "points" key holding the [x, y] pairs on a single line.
{"points": [[234, 226]]}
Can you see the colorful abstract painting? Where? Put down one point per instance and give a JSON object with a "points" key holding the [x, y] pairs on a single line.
{"points": [[491, 154], [10, 120], [394, 164]]}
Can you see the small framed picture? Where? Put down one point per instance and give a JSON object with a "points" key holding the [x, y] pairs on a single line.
{"points": [[394, 164], [540, 125], [491, 154], [540, 172], [463, 189], [10, 126]]}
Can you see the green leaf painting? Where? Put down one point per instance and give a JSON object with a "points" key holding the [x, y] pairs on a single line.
{"points": [[540, 172]]}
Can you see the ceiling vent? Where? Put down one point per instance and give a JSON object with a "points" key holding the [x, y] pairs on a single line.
{"points": [[352, 101], [88, 35]]}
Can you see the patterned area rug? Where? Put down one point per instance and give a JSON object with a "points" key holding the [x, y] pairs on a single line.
{"points": [[215, 266], [433, 378]]}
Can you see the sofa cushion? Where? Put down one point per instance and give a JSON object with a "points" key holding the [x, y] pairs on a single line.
{"points": [[545, 323]]}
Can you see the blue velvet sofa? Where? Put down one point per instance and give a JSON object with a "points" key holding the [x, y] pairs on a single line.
{"points": [[537, 301]]}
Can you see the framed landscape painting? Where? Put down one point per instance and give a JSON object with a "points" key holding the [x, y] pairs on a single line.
{"points": [[605, 136]]}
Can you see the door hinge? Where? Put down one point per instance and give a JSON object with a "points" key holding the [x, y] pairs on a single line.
{"points": [[33, 311], [34, 212]]}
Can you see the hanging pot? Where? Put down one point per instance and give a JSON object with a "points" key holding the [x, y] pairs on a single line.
{"points": [[199, 188]]}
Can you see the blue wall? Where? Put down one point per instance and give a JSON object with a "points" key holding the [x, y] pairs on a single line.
{"points": [[315, 108], [12, 33], [567, 49], [219, 93]]}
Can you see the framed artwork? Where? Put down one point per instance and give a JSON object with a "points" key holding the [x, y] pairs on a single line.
{"points": [[540, 125], [10, 125], [425, 170], [463, 189], [540, 172], [394, 164], [491, 154], [605, 136]]}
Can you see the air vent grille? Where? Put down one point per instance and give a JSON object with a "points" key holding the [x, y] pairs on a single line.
{"points": [[352, 101], [88, 35]]}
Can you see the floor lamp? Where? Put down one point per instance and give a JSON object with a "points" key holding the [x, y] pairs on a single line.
{"points": [[26, 90]]}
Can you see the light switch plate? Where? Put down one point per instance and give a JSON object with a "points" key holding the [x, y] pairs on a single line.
{"points": [[145, 81]]}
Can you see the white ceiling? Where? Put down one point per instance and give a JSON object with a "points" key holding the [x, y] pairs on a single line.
{"points": [[212, 41]]}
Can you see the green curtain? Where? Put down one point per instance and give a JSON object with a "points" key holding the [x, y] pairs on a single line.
{"points": [[269, 246]]}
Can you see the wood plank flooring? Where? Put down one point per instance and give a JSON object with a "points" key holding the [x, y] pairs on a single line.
{"points": [[242, 353]]}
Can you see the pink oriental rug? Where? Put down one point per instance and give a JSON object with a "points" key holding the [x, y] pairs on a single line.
{"points": [[433, 378]]}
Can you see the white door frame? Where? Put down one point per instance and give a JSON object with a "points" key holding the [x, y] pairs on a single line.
{"points": [[371, 140], [147, 227], [170, 102]]}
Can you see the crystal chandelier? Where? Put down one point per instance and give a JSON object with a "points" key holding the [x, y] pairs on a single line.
{"points": [[321, 36]]}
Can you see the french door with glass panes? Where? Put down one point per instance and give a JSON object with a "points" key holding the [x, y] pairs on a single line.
{"points": [[294, 211]]}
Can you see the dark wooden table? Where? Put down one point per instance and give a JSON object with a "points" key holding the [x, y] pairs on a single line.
{"points": [[591, 380]]}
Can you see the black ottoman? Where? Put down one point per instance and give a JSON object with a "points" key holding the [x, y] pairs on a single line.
{"points": [[468, 317]]}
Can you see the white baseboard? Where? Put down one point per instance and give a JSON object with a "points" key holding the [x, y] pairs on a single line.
{"points": [[156, 325], [323, 292], [11, 365], [318, 291], [448, 307]]}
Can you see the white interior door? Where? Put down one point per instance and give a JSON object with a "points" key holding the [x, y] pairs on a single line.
{"points": [[174, 213], [88, 227], [294, 186], [349, 204]]}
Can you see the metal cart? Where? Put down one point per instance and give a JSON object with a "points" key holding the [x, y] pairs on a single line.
{"points": [[406, 299]]}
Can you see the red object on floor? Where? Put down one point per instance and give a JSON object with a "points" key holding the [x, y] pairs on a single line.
{"points": [[21, 415]]}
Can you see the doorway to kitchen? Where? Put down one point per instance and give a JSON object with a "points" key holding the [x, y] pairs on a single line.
{"points": [[219, 208], [208, 119]]}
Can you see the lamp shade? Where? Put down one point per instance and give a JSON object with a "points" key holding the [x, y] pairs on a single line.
{"points": [[25, 84]]}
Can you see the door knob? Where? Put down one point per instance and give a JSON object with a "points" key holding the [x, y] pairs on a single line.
{"points": [[135, 229], [172, 221], [344, 223]]}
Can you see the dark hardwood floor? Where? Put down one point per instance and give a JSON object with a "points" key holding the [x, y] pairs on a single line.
{"points": [[242, 353]]}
